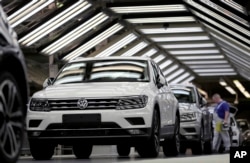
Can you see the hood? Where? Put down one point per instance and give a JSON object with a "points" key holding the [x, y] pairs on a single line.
{"points": [[188, 107], [106, 89]]}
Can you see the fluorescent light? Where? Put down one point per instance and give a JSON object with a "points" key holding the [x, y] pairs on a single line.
{"points": [[209, 66], [159, 58], [205, 51], [149, 53], [217, 16], [93, 42], [225, 12], [230, 90], [213, 70], [200, 57], [183, 46], [175, 74], [135, 49], [234, 5], [171, 30], [172, 68], [205, 62], [118, 45], [76, 33], [147, 9], [180, 78], [218, 74], [222, 82], [162, 19], [179, 38], [188, 80], [54, 23], [241, 88], [27, 11], [165, 64]]}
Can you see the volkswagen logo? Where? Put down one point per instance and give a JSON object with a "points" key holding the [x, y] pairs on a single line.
{"points": [[82, 103]]}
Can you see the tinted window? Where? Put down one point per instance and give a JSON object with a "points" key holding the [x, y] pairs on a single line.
{"points": [[104, 71], [185, 95]]}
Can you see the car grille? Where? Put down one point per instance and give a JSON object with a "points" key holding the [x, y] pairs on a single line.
{"points": [[93, 104]]}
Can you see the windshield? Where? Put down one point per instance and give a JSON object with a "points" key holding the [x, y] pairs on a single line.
{"points": [[104, 71], [185, 95]]}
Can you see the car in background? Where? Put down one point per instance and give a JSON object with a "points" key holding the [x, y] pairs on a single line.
{"points": [[195, 120], [13, 93], [246, 138], [243, 124], [123, 101]]}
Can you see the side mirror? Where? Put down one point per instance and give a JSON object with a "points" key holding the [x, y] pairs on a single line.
{"points": [[47, 82], [160, 81]]}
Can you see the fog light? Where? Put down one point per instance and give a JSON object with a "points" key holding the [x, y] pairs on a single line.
{"points": [[135, 132], [36, 133]]}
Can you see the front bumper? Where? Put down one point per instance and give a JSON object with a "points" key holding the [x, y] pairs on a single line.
{"points": [[190, 131]]}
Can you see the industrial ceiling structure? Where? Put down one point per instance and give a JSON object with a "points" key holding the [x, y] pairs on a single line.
{"points": [[202, 41]]}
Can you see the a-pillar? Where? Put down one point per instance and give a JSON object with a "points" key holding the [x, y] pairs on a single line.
{"points": [[53, 68]]}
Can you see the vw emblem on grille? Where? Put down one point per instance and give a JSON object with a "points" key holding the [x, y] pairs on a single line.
{"points": [[82, 103]]}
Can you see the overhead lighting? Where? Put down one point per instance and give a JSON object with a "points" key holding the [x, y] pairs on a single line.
{"points": [[118, 45], [218, 74], [135, 49], [225, 12], [241, 88], [159, 58], [200, 57], [205, 62], [221, 26], [171, 69], [213, 70], [162, 19], [147, 9], [175, 74], [76, 33], [149, 53], [27, 11], [222, 82], [93, 42], [188, 80], [180, 78], [54, 23], [235, 5], [209, 66], [183, 46], [230, 90], [171, 30], [217, 16], [165, 64], [205, 51], [179, 38]]}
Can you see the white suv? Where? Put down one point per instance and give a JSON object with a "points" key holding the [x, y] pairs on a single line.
{"points": [[105, 101]]}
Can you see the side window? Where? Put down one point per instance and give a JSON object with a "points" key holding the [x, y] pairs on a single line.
{"points": [[161, 74], [155, 72]]}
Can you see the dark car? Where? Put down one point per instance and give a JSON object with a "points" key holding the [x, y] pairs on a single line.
{"points": [[243, 124], [246, 138], [13, 93]]}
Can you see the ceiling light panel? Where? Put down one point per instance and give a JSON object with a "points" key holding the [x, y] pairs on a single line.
{"points": [[205, 51], [171, 69], [235, 5], [172, 30], [76, 33], [217, 16], [159, 58], [225, 12], [218, 66], [179, 38], [135, 49], [162, 19], [218, 74], [27, 11], [201, 57], [174, 74], [183, 46], [93, 42], [117, 46], [149, 53], [230, 90], [165, 64], [205, 62], [180, 78], [150, 8], [213, 70], [55, 22], [188, 80]]}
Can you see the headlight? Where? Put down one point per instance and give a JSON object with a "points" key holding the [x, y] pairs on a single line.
{"points": [[188, 116], [133, 102], [39, 105]]}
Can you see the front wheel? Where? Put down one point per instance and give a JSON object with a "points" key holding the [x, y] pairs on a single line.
{"points": [[82, 151], [41, 150], [197, 147], [172, 147], [151, 148], [123, 150]]}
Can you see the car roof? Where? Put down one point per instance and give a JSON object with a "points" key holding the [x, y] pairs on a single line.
{"points": [[110, 58]]}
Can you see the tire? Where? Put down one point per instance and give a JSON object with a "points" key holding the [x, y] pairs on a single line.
{"points": [[197, 147], [183, 148], [123, 150], [11, 118], [151, 148], [41, 150], [208, 145], [172, 147], [82, 151]]}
